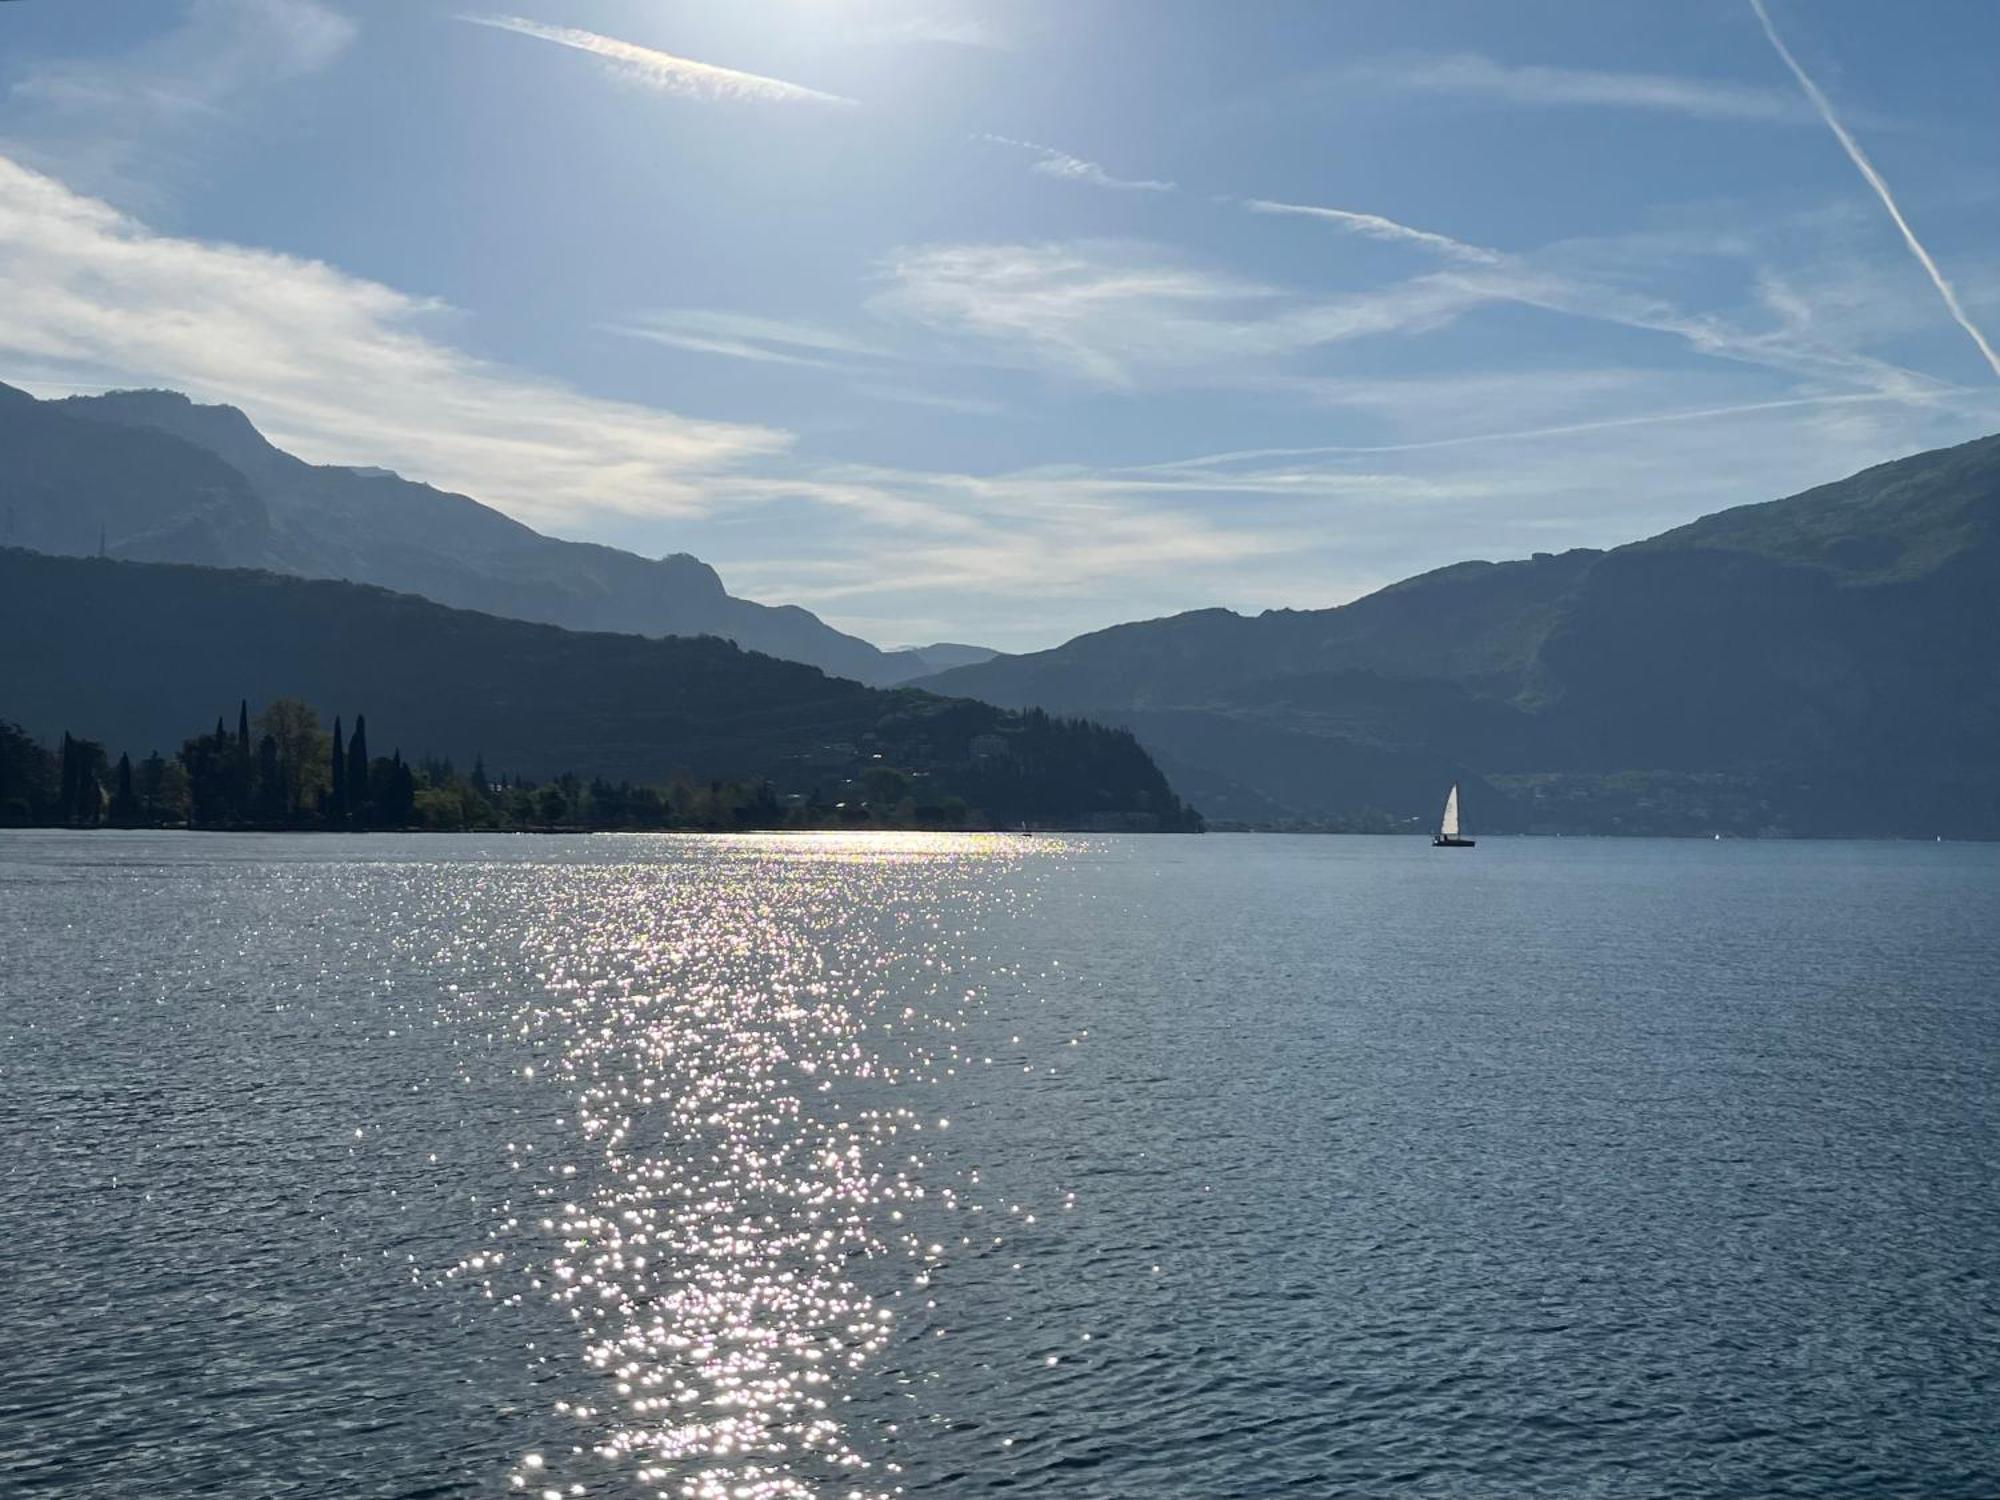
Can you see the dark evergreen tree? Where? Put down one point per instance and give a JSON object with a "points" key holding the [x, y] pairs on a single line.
{"points": [[153, 790], [125, 801], [242, 728], [212, 772], [336, 796], [83, 782], [357, 773], [392, 793]]}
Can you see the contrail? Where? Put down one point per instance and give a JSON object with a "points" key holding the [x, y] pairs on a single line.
{"points": [[1867, 169], [1379, 228], [1567, 429], [663, 70]]}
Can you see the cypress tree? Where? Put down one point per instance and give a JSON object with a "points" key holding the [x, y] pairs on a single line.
{"points": [[398, 803], [357, 771], [243, 788], [337, 791], [124, 804]]}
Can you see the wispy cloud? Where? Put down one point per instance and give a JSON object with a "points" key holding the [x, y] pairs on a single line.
{"points": [[746, 337], [124, 125], [1023, 558], [1874, 178], [663, 70], [1374, 226], [950, 31], [964, 406], [1053, 163], [1471, 75], [1533, 434], [1103, 312], [342, 369], [1129, 316]]}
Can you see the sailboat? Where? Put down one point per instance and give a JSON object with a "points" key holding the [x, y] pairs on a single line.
{"points": [[1447, 834]]}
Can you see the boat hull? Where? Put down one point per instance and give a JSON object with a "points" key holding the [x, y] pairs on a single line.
{"points": [[1439, 841]]}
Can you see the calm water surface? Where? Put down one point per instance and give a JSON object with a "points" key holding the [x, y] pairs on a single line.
{"points": [[961, 1166]]}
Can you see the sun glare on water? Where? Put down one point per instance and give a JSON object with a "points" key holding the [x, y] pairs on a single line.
{"points": [[735, 1198]]}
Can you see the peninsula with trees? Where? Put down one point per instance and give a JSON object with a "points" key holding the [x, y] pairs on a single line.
{"points": [[103, 664]]}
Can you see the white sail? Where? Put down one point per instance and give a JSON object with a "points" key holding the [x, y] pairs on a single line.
{"points": [[1449, 827]]}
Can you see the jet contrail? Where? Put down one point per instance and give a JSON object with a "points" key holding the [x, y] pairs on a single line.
{"points": [[1867, 169], [1379, 228], [663, 70]]}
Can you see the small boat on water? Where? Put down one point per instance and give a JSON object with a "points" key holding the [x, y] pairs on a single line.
{"points": [[1447, 836]]}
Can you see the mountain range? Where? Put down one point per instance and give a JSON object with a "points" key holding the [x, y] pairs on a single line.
{"points": [[1821, 664], [151, 476]]}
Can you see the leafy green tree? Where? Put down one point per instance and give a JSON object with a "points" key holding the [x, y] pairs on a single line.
{"points": [[552, 806], [210, 761], [884, 786], [29, 777], [303, 757], [269, 801], [163, 790]]}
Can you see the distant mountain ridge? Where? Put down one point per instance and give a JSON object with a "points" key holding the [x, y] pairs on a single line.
{"points": [[124, 652], [1826, 663], [154, 477]]}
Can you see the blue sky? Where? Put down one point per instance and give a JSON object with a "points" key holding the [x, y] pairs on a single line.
{"points": [[1005, 322]]}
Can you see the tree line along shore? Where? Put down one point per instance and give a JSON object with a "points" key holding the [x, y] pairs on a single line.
{"points": [[281, 770]]}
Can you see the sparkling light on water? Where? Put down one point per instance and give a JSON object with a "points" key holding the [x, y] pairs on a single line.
{"points": [[743, 1046]]}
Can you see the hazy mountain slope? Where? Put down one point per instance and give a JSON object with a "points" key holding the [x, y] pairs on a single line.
{"points": [[142, 655], [942, 656], [365, 525], [63, 488], [1476, 623], [1821, 663]]}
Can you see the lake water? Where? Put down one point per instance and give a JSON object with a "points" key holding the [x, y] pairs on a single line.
{"points": [[775, 1167]]}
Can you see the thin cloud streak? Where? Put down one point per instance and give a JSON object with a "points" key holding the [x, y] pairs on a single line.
{"points": [[1374, 226], [663, 70], [1472, 74], [1054, 163], [1124, 316], [951, 31], [1567, 429], [1875, 180], [746, 337]]}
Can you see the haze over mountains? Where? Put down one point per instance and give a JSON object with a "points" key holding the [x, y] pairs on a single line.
{"points": [[1821, 664], [157, 478]]}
